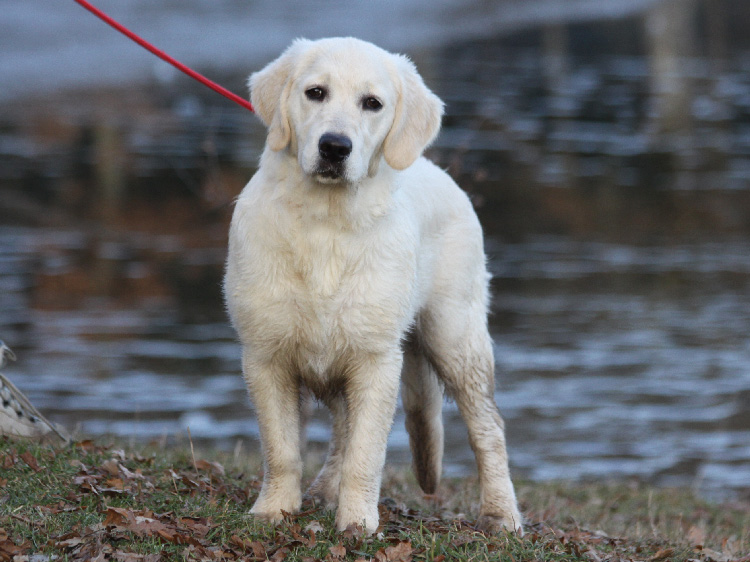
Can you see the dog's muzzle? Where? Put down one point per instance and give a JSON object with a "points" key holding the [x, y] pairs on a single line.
{"points": [[333, 149]]}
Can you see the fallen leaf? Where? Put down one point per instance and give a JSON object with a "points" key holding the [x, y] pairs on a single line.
{"points": [[354, 531], [250, 546], [125, 472], [29, 459], [210, 466], [133, 557], [239, 542], [314, 526], [112, 467], [662, 554], [198, 527], [24, 519], [338, 552], [400, 552], [115, 483], [146, 525], [86, 445], [70, 543], [8, 460], [59, 507], [140, 524], [87, 486], [118, 517], [9, 550], [113, 492]]}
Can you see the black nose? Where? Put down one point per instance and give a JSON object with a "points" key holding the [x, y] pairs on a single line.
{"points": [[334, 148]]}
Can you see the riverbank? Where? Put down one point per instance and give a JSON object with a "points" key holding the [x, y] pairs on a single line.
{"points": [[92, 501]]}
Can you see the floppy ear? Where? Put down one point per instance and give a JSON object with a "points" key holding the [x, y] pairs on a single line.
{"points": [[417, 119], [269, 93]]}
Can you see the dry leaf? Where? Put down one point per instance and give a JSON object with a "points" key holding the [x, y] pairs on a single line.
{"points": [[86, 445], [314, 526], [112, 467], [400, 552], [210, 466], [70, 543], [354, 531], [198, 527], [247, 545], [338, 552], [133, 557], [29, 459], [115, 483], [130, 475], [118, 517], [662, 554], [8, 460]]}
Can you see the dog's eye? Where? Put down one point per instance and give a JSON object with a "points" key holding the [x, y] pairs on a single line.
{"points": [[371, 104], [316, 93]]}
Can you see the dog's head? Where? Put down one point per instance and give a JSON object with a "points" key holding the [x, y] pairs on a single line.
{"points": [[340, 105]]}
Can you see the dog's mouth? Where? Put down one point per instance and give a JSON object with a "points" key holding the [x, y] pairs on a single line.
{"points": [[329, 171]]}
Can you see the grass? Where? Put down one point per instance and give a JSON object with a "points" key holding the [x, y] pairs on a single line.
{"points": [[94, 502]]}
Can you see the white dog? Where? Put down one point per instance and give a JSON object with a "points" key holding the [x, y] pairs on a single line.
{"points": [[354, 264]]}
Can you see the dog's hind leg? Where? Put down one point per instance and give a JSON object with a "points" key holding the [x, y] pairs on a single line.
{"points": [[325, 487], [422, 396], [460, 348]]}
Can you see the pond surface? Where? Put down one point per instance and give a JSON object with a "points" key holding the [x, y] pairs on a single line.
{"points": [[617, 209]]}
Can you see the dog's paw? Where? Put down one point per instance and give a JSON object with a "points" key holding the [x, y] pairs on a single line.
{"points": [[365, 516], [498, 523], [273, 509], [325, 488], [322, 495]]}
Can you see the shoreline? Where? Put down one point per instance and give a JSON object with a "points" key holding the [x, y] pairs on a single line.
{"points": [[91, 500]]}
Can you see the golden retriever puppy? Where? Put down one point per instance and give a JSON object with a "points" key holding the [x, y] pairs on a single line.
{"points": [[356, 266]]}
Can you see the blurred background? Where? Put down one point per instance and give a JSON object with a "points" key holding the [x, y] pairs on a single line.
{"points": [[605, 144]]}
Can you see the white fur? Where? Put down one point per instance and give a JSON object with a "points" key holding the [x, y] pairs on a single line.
{"points": [[332, 282]]}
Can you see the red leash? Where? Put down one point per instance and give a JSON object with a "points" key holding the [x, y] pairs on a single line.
{"points": [[164, 56]]}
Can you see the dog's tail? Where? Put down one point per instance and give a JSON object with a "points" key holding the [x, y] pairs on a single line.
{"points": [[423, 403]]}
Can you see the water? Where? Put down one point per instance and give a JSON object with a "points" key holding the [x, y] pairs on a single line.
{"points": [[617, 210], [634, 345]]}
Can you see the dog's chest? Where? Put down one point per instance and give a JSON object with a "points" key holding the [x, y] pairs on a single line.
{"points": [[333, 287], [342, 293], [323, 265]]}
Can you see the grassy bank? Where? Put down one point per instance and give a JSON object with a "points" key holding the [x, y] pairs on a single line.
{"points": [[95, 502]]}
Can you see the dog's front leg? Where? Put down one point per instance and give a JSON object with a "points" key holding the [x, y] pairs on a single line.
{"points": [[371, 391], [275, 393]]}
